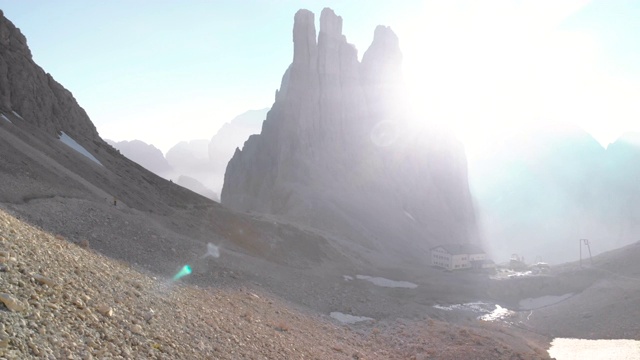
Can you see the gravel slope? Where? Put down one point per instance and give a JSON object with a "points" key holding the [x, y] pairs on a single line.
{"points": [[606, 304], [64, 300]]}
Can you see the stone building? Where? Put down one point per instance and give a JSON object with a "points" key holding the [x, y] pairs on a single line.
{"points": [[460, 256]]}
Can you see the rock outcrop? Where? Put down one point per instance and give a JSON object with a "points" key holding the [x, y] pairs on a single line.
{"points": [[337, 151], [33, 94]]}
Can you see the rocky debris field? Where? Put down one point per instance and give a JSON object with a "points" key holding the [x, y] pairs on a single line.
{"points": [[65, 301], [61, 300]]}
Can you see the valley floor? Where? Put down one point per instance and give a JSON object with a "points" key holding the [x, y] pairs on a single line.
{"points": [[65, 300]]}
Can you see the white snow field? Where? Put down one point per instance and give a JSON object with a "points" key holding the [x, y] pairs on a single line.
{"points": [[68, 140]]}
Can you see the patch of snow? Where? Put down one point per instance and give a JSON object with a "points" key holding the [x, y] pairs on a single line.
{"points": [[379, 281], [67, 140], [539, 302], [498, 314], [6, 118], [570, 349], [349, 319], [347, 277], [16, 114], [410, 216]]}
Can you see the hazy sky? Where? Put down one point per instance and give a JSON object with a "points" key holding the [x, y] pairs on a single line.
{"points": [[166, 71]]}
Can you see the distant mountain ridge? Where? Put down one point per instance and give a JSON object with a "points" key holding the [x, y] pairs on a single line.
{"points": [[197, 164], [545, 190], [233, 135], [146, 155], [336, 151]]}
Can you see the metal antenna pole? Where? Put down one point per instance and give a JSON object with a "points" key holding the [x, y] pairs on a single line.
{"points": [[586, 242], [580, 246]]}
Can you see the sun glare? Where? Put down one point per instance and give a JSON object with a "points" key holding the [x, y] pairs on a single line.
{"points": [[486, 71]]}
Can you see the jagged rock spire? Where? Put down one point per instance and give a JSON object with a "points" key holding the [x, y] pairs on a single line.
{"points": [[315, 157]]}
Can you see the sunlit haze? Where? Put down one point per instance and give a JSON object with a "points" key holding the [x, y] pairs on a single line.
{"points": [[489, 69], [445, 179], [165, 71]]}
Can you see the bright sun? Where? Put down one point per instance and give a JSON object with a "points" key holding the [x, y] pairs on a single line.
{"points": [[488, 69]]}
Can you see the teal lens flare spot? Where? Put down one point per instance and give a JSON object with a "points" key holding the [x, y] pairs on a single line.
{"points": [[186, 270]]}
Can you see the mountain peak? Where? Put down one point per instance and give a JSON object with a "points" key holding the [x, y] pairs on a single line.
{"points": [[12, 39], [383, 59], [315, 160], [304, 38], [330, 23]]}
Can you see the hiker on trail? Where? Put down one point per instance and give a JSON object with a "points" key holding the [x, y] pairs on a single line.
{"points": [[115, 201]]}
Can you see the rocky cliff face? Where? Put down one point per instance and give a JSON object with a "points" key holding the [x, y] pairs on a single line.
{"points": [[34, 111], [337, 152], [26, 89]]}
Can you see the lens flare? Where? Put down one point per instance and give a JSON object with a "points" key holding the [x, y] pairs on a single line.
{"points": [[212, 251], [384, 133], [186, 270]]}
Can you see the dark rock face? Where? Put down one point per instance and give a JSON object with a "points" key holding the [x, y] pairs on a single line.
{"points": [[34, 111], [336, 150], [26, 89]]}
